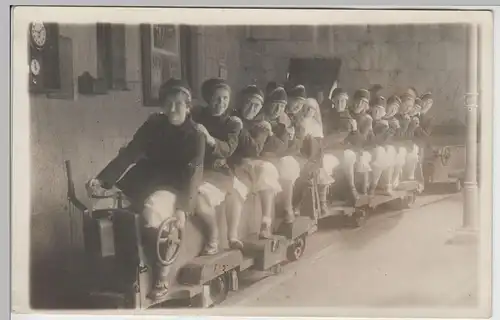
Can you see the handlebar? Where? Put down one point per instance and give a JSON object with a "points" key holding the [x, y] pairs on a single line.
{"points": [[71, 190]]}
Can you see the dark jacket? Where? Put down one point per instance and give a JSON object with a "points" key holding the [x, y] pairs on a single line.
{"points": [[277, 144], [382, 133], [225, 132], [251, 140], [164, 156], [356, 141]]}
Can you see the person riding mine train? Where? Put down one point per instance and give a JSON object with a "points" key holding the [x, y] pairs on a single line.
{"points": [[275, 149], [167, 152], [316, 161], [252, 173], [221, 133], [340, 129]]}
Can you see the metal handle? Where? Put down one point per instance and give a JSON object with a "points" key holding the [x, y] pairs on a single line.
{"points": [[71, 190]]}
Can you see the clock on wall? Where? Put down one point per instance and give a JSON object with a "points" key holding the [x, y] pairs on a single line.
{"points": [[38, 34], [43, 58]]}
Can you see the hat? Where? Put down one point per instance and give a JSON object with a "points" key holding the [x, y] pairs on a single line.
{"points": [[338, 92], [394, 99], [172, 86], [375, 88], [298, 91], [410, 93], [277, 95], [362, 94], [378, 101], [425, 96], [209, 86], [253, 91], [270, 87]]}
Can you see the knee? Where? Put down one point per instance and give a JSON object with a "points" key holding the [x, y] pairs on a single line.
{"points": [[239, 189], [267, 169], [401, 156], [288, 168], [330, 162], [209, 197], [364, 162], [391, 154], [391, 151], [411, 158], [379, 153], [267, 178], [159, 206], [379, 158], [349, 157]]}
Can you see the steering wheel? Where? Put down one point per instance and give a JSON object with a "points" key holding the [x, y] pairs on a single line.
{"points": [[168, 242]]}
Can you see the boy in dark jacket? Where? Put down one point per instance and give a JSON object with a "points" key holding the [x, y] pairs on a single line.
{"points": [[221, 133], [168, 152]]}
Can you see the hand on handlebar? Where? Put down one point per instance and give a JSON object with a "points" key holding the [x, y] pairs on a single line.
{"points": [[94, 188]]}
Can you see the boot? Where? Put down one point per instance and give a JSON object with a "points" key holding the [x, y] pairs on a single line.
{"points": [[160, 288]]}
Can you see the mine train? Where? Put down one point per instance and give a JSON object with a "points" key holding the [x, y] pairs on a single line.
{"points": [[120, 274]]}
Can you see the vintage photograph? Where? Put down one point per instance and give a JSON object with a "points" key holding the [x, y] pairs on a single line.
{"points": [[256, 160]]}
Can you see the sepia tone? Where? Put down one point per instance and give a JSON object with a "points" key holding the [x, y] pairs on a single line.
{"points": [[108, 81]]}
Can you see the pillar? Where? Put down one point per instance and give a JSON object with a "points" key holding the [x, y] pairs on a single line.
{"points": [[471, 206]]}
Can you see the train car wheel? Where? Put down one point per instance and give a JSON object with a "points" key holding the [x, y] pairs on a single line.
{"points": [[277, 269], [408, 201], [358, 218], [296, 250], [219, 288]]}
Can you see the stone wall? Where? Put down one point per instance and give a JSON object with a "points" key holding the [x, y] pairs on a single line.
{"points": [[428, 57]]}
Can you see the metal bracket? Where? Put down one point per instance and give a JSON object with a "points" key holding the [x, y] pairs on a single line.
{"points": [[471, 100]]}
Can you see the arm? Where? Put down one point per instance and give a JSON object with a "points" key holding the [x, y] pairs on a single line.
{"points": [[277, 143], [295, 145], [193, 176], [127, 155], [251, 145], [225, 148]]}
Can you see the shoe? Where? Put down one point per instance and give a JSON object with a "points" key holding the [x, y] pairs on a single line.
{"points": [[372, 190], [387, 191], [265, 232], [420, 188], [289, 216], [160, 290], [210, 249], [235, 244]]}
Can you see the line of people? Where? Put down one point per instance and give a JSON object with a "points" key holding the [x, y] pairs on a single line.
{"points": [[195, 159]]}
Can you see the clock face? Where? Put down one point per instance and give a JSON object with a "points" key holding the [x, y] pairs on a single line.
{"points": [[38, 34], [35, 67]]}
